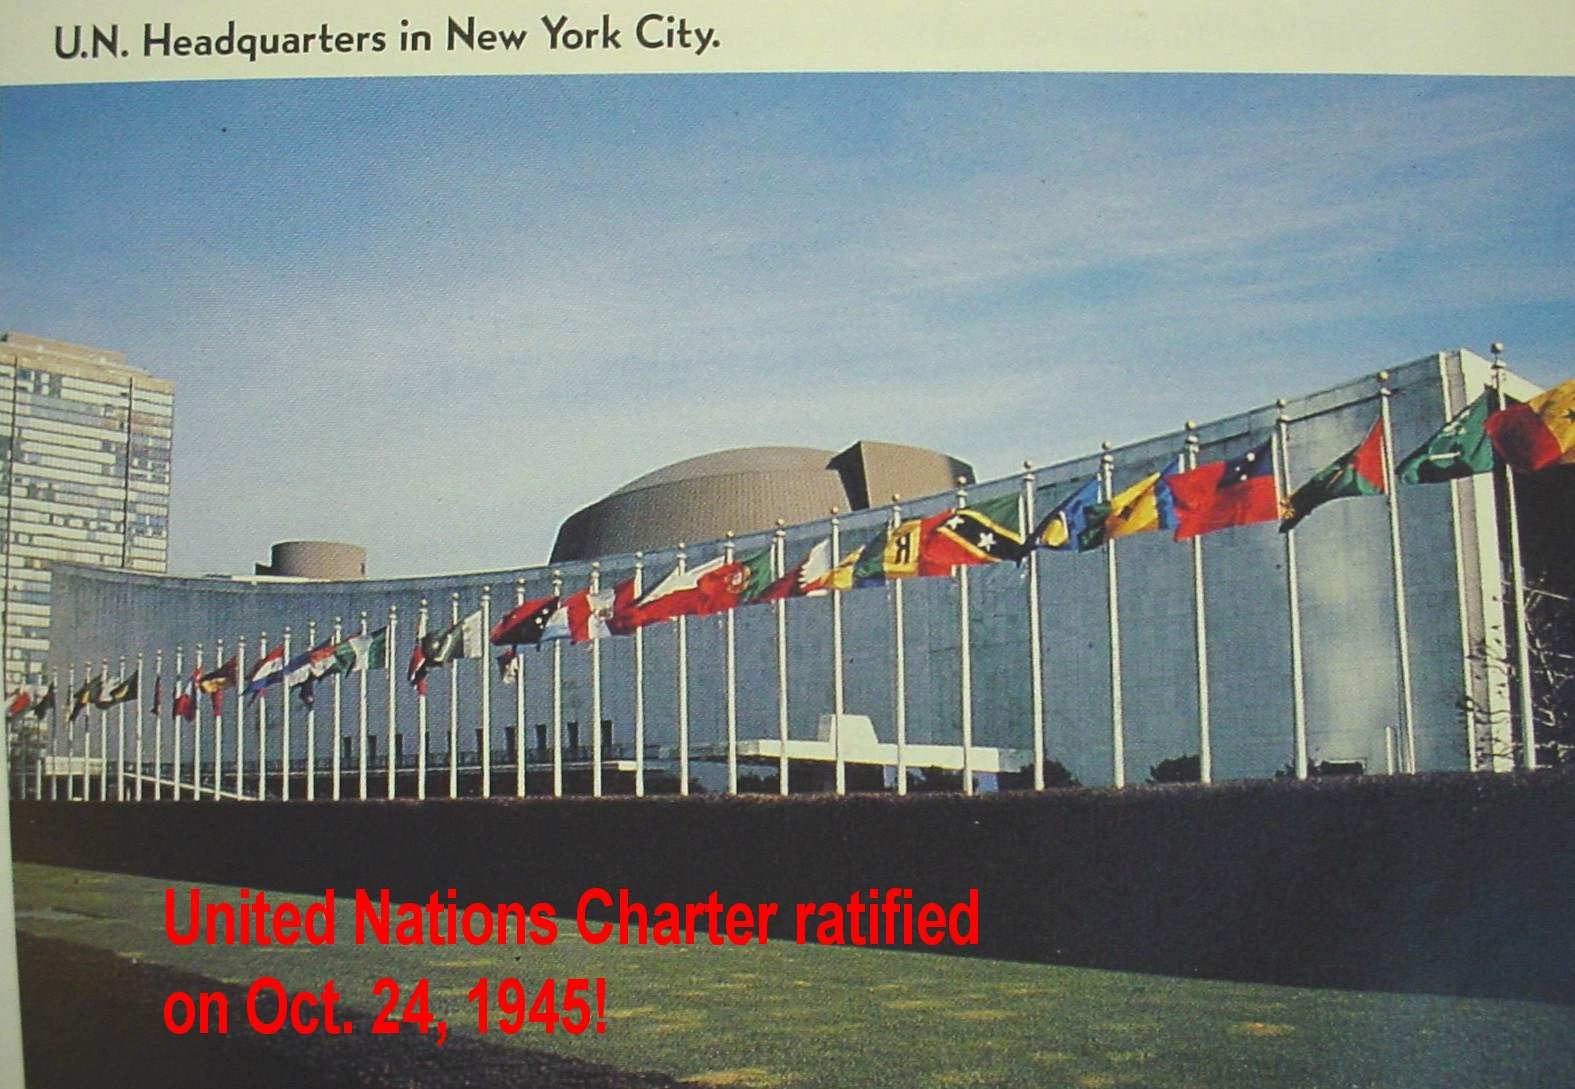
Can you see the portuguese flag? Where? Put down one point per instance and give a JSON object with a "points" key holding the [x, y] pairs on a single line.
{"points": [[1359, 471], [1539, 433], [1459, 448]]}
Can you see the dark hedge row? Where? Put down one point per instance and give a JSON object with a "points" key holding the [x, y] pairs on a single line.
{"points": [[1452, 883]]}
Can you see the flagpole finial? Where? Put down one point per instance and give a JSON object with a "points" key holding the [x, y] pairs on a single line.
{"points": [[453, 596], [393, 610], [1027, 465], [1497, 348], [896, 497], [1383, 376], [835, 510], [596, 565]]}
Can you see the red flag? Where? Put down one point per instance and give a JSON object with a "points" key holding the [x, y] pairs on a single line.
{"points": [[1539, 433], [1222, 494], [417, 673], [185, 705]]}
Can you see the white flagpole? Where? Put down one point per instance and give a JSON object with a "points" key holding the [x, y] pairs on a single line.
{"points": [[453, 704], [240, 717], [158, 727], [779, 570], [120, 740], [1460, 578], [1402, 625], [421, 713], [87, 737], [1200, 634], [681, 634], [392, 728], [196, 730], [218, 726], [361, 724], [486, 693], [262, 726], [557, 699], [965, 659], [519, 706], [1528, 723], [284, 723], [899, 664], [1118, 743], [71, 732], [730, 672], [1036, 677], [103, 741], [1293, 598], [175, 721], [137, 730], [311, 719], [639, 684], [836, 658], [336, 758], [54, 742], [596, 685]]}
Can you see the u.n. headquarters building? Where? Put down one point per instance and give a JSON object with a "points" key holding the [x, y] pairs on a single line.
{"points": [[1251, 653]]}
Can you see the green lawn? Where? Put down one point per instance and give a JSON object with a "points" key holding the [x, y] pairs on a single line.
{"points": [[782, 1015]]}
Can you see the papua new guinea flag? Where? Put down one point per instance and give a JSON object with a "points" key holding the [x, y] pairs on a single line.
{"points": [[523, 624]]}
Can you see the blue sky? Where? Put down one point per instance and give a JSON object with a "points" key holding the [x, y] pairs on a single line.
{"points": [[437, 316]]}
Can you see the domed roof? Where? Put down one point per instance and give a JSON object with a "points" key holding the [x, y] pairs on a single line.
{"points": [[741, 459]]}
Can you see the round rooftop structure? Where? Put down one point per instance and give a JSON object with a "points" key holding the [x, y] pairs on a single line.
{"points": [[745, 490]]}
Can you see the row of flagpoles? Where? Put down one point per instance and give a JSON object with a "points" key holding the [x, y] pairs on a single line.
{"points": [[1190, 498]]}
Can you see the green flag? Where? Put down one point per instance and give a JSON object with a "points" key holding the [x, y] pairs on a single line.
{"points": [[361, 652], [1459, 448]]}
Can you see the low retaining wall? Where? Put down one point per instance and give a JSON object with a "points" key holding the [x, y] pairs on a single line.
{"points": [[1451, 883]]}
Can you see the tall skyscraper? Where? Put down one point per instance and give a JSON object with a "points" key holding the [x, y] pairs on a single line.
{"points": [[85, 456]]}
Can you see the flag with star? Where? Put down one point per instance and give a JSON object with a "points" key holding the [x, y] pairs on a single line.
{"points": [[983, 533], [1460, 448], [1538, 434], [524, 623], [1222, 494], [1358, 471]]}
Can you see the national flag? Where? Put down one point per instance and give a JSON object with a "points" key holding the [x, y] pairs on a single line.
{"points": [[800, 579], [436, 649], [983, 533], [158, 695], [508, 665], [1143, 507], [309, 665], [1460, 448], [581, 616], [1076, 524], [123, 691], [19, 702], [216, 680], [44, 706], [360, 653], [524, 623], [266, 672], [840, 576], [893, 553], [416, 674], [752, 579], [684, 592], [1539, 433], [185, 705], [1358, 471], [85, 697], [1222, 494]]}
